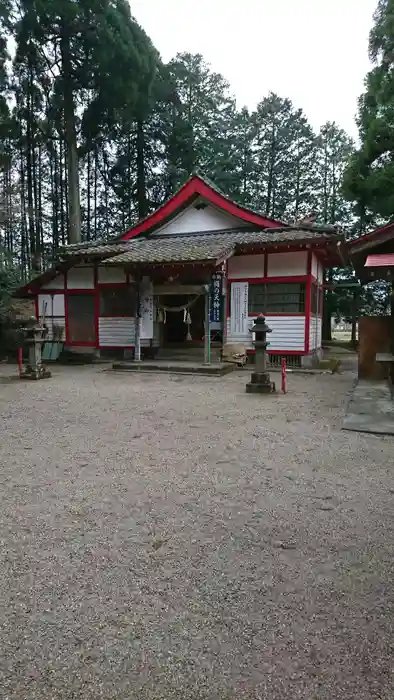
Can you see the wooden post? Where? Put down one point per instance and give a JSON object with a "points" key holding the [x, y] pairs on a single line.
{"points": [[224, 310], [355, 307], [137, 350], [207, 337]]}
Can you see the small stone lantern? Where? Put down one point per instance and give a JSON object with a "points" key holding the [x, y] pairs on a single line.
{"points": [[35, 336], [260, 382]]}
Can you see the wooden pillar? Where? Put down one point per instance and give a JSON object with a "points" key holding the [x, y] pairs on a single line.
{"points": [[207, 336], [355, 307], [137, 350], [224, 308]]}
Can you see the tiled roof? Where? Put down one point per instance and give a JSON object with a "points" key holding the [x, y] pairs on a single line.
{"points": [[99, 249], [210, 246], [176, 249]]}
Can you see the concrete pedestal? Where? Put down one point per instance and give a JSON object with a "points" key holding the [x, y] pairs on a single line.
{"points": [[260, 383]]}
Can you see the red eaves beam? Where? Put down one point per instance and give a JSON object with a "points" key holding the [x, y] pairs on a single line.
{"points": [[196, 186], [371, 235]]}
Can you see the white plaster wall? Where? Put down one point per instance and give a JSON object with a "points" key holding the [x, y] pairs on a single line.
{"points": [[286, 264], [109, 274], [288, 333], [54, 304], [193, 220], [320, 273], [245, 266], [56, 283], [314, 267], [54, 314], [80, 277]]}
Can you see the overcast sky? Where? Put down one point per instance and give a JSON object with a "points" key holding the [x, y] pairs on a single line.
{"points": [[313, 51]]}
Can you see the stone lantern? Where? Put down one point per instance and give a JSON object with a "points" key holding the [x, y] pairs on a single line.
{"points": [[35, 336], [260, 382]]}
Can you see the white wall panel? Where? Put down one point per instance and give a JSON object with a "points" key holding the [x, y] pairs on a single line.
{"points": [[320, 272], [315, 333], [245, 266], [314, 267], [286, 264], [193, 220], [56, 328], [80, 277], [288, 333], [116, 332], [54, 305]]}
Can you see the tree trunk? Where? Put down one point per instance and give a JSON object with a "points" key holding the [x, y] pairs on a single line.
{"points": [[142, 204], [95, 191], [62, 186], [88, 195], [270, 183], [74, 206], [24, 237], [34, 251]]}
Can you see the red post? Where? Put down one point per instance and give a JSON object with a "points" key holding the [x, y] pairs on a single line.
{"points": [[284, 376], [20, 361]]}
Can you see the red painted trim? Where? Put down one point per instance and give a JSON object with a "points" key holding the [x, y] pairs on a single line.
{"points": [[269, 280], [308, 296], [37, 307], [193, 188], [51, 291], [368, 236]]}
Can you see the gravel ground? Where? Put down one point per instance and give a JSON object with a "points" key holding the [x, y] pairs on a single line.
{"points": [[176, 538]]}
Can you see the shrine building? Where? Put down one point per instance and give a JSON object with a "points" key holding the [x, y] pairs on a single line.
{"points": [[199, 270]]}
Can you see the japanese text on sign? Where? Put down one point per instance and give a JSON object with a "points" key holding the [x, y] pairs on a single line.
{"points": [[216, 298], [239, 308]]}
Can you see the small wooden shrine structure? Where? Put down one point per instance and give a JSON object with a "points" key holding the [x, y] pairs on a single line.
{"points": [[372, 256], [194, 274]]}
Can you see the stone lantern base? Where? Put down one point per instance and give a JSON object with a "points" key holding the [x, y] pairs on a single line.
{"points": [[38, 372], [260, 383]]}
